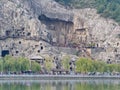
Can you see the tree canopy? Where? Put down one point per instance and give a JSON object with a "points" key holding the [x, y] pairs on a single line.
{"points": [[84, 65], [17, 64]]}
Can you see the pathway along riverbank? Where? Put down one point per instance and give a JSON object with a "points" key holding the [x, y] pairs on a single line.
{"points": [[58, 77]]}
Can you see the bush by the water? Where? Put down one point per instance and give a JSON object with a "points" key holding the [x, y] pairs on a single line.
{"points": [[84, 65], [18, 64]]}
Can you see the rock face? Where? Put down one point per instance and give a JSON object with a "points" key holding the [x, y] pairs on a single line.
{"points": [[37, 27], [19, 29]]}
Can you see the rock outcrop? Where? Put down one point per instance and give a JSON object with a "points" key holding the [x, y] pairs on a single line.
{"points": [[37, 27]]}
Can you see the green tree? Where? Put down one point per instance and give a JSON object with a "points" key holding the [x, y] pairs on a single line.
{"points": [[35, 67], [1, 64], [65, 62], [8, 63], [101, 66], [112, 67], [84, 65], [24, 64], [118, 68], [17, 64], [48, 63]]}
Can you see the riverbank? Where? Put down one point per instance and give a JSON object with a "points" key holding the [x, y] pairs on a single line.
{"points": [[58, 77]]}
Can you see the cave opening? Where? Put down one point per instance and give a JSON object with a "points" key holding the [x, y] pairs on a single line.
{"points": [[38, 51], [41, 47], [28, 34], [17, 52], [44, 18], [20, 42], [7, 33], [5, 52]]}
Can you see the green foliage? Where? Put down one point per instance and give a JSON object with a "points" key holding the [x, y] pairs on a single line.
{"points": [[111, 67], [18, 65], [91, 45], [48, 63], [101, 66], [66, 2], [24, 64], [118, 67], [107, 8], [1, 64], [12, 64], [9, 63], [85, 65], [35, 67], [65, 62]]}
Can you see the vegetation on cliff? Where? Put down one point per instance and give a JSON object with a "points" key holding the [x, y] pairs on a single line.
{"points": [[107, 8]]}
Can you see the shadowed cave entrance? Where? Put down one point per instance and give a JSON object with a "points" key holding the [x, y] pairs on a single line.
{"points": [[4, 53], [60, 30]]}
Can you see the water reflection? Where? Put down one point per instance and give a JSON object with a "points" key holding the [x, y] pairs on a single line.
{"points": [[60, 85]]}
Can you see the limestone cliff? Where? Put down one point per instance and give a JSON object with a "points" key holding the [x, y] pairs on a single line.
{"points": [[37, 27]]}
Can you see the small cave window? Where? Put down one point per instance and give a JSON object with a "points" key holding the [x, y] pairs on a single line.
{"points": [[38, 51], [17, 52], [97, 45], [13, 35], [23, 33], [109, 61], [56, 58], [57, 67], [42, 17], [71, 68], [6, 45], [19, 42], [115, 50], [41, 47], [36, 46], [28, 34], [30, 17], [70, 63], [7, 33], [18, 34], [117, 44]]}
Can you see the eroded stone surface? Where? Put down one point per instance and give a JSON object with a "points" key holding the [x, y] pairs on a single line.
{"points": [[30, 27]]}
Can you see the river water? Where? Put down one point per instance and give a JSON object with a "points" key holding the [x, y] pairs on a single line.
{"points": [[60, 85]]}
